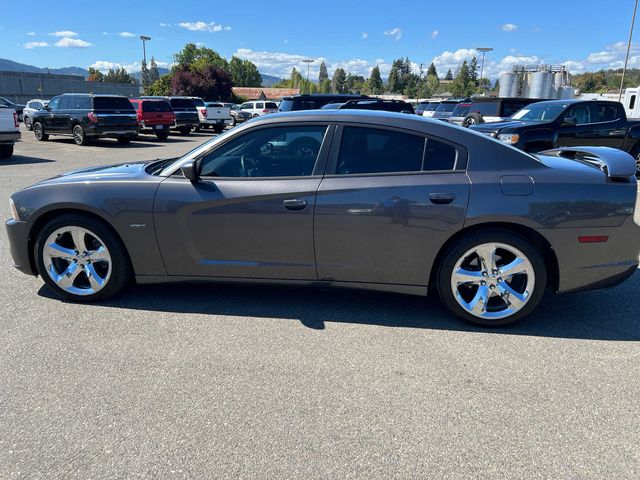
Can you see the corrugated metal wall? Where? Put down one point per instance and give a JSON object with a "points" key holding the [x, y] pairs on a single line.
{"points": [[23, 86]]}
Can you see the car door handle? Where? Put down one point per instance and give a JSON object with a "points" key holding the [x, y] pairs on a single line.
{"points": [[294, 204], [442, 198]]}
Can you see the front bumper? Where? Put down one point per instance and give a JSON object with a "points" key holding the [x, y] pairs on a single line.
{"points": [[18, 233]]}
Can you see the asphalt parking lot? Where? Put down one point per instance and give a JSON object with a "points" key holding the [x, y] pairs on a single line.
{"points": [[200, 381]]}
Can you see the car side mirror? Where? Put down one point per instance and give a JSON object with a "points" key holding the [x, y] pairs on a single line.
{"points": [[569, 122], [190, 171]]}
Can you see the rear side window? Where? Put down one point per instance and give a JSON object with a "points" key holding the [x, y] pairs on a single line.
{"points": [[80, 102], [156, 106], [486, 109], [605, 112], [372, 150], [270, 105], [260, 105], [509, 108], [439, 156], [111, 103], [446, 107], [198, 102]]}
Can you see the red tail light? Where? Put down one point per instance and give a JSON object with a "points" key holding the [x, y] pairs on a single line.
{"points": [[15, 119], [266, 111], [93, 118], [204, 113]]}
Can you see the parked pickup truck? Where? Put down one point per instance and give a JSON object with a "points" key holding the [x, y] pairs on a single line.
{"points": [[214, 115], [9, 131], [568, 123]]}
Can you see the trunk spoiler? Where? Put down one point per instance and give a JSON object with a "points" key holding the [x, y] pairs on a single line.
{"points": [[613, 162]]}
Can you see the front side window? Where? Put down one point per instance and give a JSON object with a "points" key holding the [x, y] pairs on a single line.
{"points": [[580, 113], [373, 150], [65, 103], [246, 106], [53, 104], [288, 151]]}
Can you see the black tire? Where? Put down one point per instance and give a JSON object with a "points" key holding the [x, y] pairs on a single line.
{"points": [[121, 271], [233, 121], [28, 123], [38, 130], [457, 250], [124, 140], [162, 135], [197, 129], [472, 119], [635, 153], [255, 115], [185, 130], [218, 128], [79, 136], [6, 151]]}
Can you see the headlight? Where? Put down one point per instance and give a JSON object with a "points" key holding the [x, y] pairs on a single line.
{"points": [[14, 210], [510, 138]]}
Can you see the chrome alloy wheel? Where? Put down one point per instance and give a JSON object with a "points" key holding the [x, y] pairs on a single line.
{"points": [[638, 165], [493, 280], [77, 260]]}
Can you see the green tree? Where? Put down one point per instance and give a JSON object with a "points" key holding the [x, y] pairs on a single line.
{"points": [[192, 57], [161, 87], [244, 73], [432, 70], [95, 75], [325, 86], [144, 76], [339, 81], [323, 75], [118, 75], [449, 75], [463, 85], [473, 71], [154, 75], [376, 87]]}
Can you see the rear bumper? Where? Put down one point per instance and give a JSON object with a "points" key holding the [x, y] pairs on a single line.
{"points": [[18, 233], [9, 137], [112, 130]]}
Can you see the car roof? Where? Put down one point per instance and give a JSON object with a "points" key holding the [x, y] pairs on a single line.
{"points": [[96, 95]]}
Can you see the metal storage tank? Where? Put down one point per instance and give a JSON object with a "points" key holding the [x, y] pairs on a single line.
{"points": [[506, 84], [540, 85], [567, 92]]}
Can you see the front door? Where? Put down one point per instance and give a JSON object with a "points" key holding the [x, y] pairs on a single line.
{"points": [[251, 213], [388, 203]]}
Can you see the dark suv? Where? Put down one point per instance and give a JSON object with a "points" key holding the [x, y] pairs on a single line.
{"points": [[398, 106], [186, 113], [85, 117], [314, 101], [496, 109]]}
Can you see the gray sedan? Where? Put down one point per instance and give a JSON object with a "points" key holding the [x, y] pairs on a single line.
{"points": [[354, 199]]}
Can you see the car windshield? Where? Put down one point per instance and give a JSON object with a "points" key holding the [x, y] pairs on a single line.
{"points": [[540, 112]]}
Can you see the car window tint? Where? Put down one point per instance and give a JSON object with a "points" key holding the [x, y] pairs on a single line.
{"points": [[373, 150], [439, 156], [183, 103], [581, 114], [604, 112], [65, 101], [79, 103], [270, 105], [198, 102], [156, 106], [260, 105], [488, 109], [53, 104], [267, 152], [112, 103], [246, 106]]}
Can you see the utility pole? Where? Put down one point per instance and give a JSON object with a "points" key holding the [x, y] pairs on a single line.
{"points": [[626, 59], [484, 50]]}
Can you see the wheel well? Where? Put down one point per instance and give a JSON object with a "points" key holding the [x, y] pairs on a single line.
{"points": [[528, 234], [46, 217]]}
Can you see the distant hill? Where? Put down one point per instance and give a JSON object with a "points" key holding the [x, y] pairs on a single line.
{"points": [[268, 80], [11, 66], [138, 75]]}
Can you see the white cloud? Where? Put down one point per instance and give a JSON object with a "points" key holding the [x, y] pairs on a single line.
{"points": [[601, 57], [31, 34], [395, 33], [204, 27], [365, 35], [127, 34], [434, 34], [64, 33], [72, 43], [167, 25], [105, 33], [36, 44], [105, 65], [509, 27]]}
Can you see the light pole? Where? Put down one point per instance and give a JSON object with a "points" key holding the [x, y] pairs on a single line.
{"points": [[308, 61], [484, 50], [144, 77], [626, 59]]}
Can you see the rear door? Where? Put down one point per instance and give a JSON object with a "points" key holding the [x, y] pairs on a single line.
{"points": [[596, 124], [388, 202], [251, 213]]}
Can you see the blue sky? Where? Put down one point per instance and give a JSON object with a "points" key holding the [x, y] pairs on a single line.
{"points": [[356, 35]]}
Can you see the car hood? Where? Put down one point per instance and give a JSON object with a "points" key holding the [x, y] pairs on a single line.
{"points": [[103, 173]]}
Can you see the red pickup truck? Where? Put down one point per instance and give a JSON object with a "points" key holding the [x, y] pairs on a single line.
{"points": [[154, 116]]}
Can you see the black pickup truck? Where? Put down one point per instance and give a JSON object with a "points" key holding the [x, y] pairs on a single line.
{"points": [[568, 123]]}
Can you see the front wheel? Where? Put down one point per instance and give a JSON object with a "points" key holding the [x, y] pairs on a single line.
{"points": [[6, 151], [81, 259], [28, 124], [38, 131], [492, 278]]}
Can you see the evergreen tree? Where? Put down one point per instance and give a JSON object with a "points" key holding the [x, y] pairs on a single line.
{"points": [[432, 70], [325, 86], [339, 81], [95, 75], [119, 75], [376, 87], [463, 85], [154, 75], [144, 76], [473, 71], [449, 75], [323, 75], [244, 73]]}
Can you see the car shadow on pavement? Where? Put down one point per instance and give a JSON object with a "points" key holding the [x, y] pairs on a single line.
{"points": [[106, 143], [601, 315], [22, 160]]}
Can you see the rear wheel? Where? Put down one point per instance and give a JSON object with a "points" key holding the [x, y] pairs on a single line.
{"points": [[635, 153], [81, 259], [124, 140], [38, 131], [185, 130], [79, 136], [233, 121], [255, 115], [492, 278], [6, 151], [472, 119], [218, 128], [28, 123]]}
